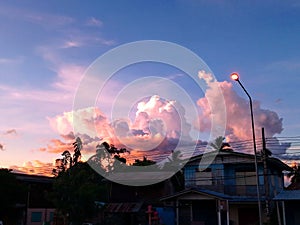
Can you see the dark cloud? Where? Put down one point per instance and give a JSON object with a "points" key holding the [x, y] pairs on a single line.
{"points": [[68, 137], [10, 132]]}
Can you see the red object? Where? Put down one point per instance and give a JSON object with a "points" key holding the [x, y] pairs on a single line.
{"points": [[155, 216], [149, 209]]}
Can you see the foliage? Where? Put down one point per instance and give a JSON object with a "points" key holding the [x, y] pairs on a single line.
{"points": [[77, 148], [173, 164], [108, 158], [144, 162], [76, 190], [295, 177], [220, 145], [67, 160]]}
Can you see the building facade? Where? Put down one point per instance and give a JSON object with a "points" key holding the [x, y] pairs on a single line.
{"points": [[37, 210], [221, 188]]}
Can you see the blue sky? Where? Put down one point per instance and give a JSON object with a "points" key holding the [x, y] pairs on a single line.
{"points": [[47, 46]]}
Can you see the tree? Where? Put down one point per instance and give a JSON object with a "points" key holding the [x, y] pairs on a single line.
{"points": [[62, 164], [108, 158], [144, 162], [77, 148], [174, 163], [67, 160], [294, 177], [75, 192], [220, 145]]}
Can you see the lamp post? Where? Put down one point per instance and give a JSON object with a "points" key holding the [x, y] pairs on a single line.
{"points": [[235, 76]]}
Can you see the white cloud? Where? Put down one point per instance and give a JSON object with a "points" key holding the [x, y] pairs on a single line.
{"points": [[94, 22], [10, 61], [47, 20]]}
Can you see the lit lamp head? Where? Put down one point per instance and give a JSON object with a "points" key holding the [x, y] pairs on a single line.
{"points": [[234, 76]]}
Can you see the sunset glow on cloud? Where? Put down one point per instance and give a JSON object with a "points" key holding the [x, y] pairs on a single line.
{"points": [[238, 116], [34, 167], [147, 107], [156, 120]]}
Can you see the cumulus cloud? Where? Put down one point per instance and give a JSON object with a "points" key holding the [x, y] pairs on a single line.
{"points": [[89, 121], [89, 124], [238, 119], [162, 116], [157, 126]]}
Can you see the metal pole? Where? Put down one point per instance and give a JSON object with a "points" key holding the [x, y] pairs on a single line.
{"points": [[227, 213], [255, 154], [283, 213], [219, 212], [266, 180], [177, 212]]}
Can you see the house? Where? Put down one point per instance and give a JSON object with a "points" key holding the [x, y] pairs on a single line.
{"points": [[221, 188], [288, 202], [139, 204], [37, 209]]}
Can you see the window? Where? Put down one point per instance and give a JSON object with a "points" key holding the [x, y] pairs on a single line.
{"points": [[218, 176], [36, 217], [51, 216], [203, 177], [245, 178]]}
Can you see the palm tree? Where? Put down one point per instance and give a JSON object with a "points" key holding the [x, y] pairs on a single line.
{"points": [[220, 145]]}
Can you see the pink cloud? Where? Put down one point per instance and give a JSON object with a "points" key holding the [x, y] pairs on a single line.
{"points": [[161, 116], [90, 121], [68, 77], [72, 44], [238, 118], [57, 146], [157, 122]]}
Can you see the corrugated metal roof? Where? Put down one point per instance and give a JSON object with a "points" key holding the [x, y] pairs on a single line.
{"points": [[287, 195], [125, 207], [216, 195]]}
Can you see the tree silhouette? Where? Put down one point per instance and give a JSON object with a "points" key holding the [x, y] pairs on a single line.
{"points": [[295, 177], [174, 163], [108, 158], [77, 148], [220, 145], [144, 162], [67, 160], [75, 192]]}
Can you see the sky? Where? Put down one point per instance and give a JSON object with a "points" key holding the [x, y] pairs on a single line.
{"points": [[55, 57]]}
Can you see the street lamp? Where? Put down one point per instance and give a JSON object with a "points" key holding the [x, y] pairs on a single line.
{"points": [[235, 76]]}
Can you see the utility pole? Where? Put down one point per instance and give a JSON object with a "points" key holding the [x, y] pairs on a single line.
{"points": [[265, 154]]}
